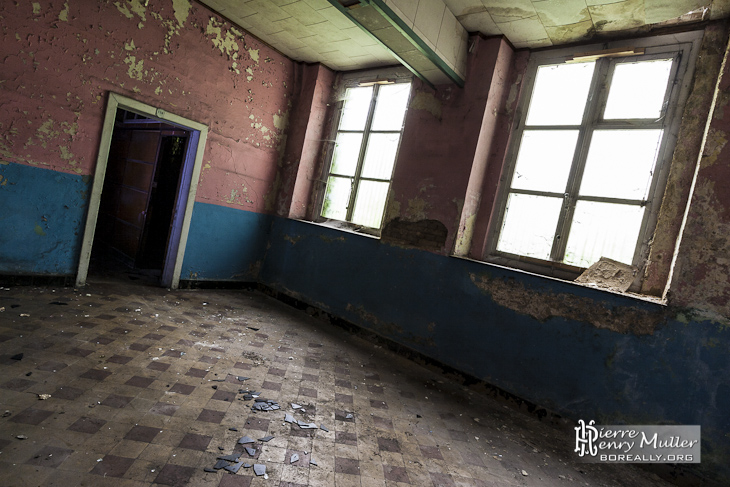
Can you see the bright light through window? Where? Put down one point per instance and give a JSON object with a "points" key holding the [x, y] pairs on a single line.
{"points": [[364, 154], [586, 160]]}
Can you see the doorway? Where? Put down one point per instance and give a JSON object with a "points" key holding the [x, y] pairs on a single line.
{"points": [[143, 192]]}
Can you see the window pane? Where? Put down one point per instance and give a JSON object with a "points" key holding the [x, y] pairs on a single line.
{"points": [[544, 160], [336, 198], [638, 89], [391, 106], [529, 225], [380, 156], [560, 94], [356, 107], [620, 163], [603, 230], [370, 203], [347, 150]]}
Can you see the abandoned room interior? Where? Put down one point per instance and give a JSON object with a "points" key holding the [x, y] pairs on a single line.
{"points": [[361, 242]]}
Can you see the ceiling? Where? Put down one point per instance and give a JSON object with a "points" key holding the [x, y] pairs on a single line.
{"points": [[317, 31]]}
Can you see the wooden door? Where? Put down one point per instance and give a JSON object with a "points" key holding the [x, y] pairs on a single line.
{"points": [[127, 188]]}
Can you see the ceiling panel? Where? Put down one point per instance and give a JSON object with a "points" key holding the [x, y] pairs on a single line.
{"points": [[316, 31]]}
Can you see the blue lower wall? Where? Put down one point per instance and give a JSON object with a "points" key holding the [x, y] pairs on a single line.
{"points": [[42, 218], [225, 244], [679, 373]]}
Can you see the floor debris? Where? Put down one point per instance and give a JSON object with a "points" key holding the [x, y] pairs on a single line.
{"points": [[294, 458], [259, 469], [266, 438], [245, 440], [234, 468], [233, 457], [251, 451]]}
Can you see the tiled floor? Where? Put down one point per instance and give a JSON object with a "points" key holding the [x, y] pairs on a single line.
{"points": [[144, 387]]}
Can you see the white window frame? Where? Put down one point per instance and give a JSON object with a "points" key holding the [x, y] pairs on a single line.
{"points": [[353, 80], [686, 45]]}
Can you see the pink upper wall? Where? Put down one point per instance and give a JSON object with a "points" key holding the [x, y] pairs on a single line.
{"points": [[59, 59], [442, 129]]}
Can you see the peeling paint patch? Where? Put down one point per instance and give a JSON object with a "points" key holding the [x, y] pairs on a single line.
{"points": [[63, 14], [182, 10], [36, 8], [136, 68], [546, 305], [254, 53], [428, 102], [392, 211], [225, 42], [124, 10], [39, 230], [281, 122], [417, 209]]}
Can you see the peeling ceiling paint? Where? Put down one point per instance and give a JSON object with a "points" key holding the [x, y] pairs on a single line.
{"points": [[315, 31]]}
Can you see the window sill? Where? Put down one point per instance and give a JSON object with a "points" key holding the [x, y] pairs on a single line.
{"points": [[628, 294], [342, 227]]}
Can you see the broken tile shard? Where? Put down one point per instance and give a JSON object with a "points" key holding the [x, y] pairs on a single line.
{"points": [[312, 461], [294, 458], [220, 464], [295, 406], [305, 425], [266, 438], [289, 418], [244, 440], [233, 457], [234, 468], [208, 469], [251, 451], [323, 428], [349, 416], [259, 469]]}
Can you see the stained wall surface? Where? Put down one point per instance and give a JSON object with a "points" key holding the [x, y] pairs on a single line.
{"points": [[58, 62]]}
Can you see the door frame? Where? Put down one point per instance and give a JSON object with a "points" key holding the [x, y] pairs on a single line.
{"points": [[190, 174]]}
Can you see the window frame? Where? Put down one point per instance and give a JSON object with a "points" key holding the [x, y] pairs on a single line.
{"points": [[353, 80], [686, 46]]}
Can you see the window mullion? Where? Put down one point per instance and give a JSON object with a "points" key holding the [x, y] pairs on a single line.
{"points": [[361, 156], [590, 120]]}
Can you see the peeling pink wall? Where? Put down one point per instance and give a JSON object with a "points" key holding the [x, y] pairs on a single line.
{"points": [[701, 278], [439, 142], [314, 84], [61, 58]]}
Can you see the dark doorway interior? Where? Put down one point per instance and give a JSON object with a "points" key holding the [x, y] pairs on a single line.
{"points": [[137, 203]]}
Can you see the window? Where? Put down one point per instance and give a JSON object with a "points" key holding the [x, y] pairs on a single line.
{"points": [[589, 157], [364, 153]]}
